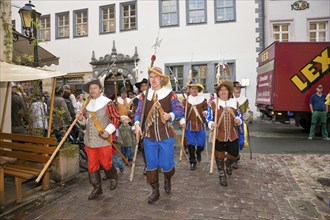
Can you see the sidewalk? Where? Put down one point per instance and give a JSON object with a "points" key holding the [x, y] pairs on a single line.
{"points": [[270, 186]]}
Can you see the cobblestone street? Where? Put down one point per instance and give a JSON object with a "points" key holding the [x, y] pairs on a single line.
{"points": [[272, 186]]}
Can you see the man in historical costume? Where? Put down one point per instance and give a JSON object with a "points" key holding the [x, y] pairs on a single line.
{"points": [[243, 103], [124, 103], [162, 106], [228, 118], [142, 87], [195, 118], [102, 114]]}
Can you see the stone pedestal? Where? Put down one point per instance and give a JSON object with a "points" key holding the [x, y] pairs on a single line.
{"points": [[66, 164]]}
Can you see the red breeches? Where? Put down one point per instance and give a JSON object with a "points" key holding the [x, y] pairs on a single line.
{"points": [[97, 156]]}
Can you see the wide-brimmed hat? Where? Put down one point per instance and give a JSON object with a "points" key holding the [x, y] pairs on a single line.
{"points": [[200, 86], [123, 117], [85, 87], [228, 84], [159, 72], [138, 85]]}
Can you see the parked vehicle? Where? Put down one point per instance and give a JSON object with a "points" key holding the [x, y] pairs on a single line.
{"points": [[288, 74]]}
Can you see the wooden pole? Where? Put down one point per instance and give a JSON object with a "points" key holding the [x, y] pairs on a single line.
{"points": [[51, 108], [206, 148], [183, 129], [4, 108], [214, 135], [61, 143], [137, 135]]}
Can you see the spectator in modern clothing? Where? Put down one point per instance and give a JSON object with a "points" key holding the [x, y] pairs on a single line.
{"points": [[66, 95], [80, 102], [39, 114], [19, 116], [72, 97], [319, 112]]}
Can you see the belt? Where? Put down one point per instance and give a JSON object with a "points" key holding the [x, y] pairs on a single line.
{"points": [[320, 110]]}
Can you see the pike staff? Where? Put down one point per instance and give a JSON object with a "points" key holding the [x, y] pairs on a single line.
{"points": [[214, 135]]}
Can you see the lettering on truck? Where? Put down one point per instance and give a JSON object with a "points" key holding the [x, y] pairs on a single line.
{"points": [[313, 71]]}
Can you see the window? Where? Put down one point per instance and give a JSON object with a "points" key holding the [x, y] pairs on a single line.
{"points": [[13, 24], [80, 21], [169, 13], [178, 74], [128, 16], [225, 10], [199, 74], [318, 31], [44, 33], [62, 25], [196, 11], [107, 19], [281, 32]]}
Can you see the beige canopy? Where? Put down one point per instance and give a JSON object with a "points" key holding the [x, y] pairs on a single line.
{"points": [[11, 72]]}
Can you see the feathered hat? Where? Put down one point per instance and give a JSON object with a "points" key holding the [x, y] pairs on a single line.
{"points": [[159, 72]]}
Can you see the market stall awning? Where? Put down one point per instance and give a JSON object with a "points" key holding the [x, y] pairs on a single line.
{"points": [[12, 72], [22, 46]]}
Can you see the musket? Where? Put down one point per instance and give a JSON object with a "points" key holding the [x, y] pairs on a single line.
{"points": [[153, 58]]}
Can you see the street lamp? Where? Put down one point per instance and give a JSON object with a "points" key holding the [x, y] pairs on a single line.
{"points": [[30, 19]]}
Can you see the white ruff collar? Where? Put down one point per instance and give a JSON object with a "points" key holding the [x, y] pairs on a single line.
{"points": [[230, 103], [98, 103], [120, 100], [161, 93], [241, 100], [195, 100]]}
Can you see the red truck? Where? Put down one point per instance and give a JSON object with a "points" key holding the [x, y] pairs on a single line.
{"points": [[288, 74]]}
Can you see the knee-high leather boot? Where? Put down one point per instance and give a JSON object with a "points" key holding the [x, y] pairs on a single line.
{"points": [[220, 160], [152, 178], [95, 180], [229, 162], [167, 180], [112, 176], [198, 153], [192, 157]]}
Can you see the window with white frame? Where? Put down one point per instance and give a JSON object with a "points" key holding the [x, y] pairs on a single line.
{"points": [[44, 32], [169, 13], [178, 74], [199, 74], [80, 22], [196, 11], [107, 19], [225, 10], [318, 31], [281, 32], [62, 25], [128, 16]]}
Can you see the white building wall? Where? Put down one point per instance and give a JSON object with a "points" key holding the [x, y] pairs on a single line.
{"points": [[187, 43], [281, 11]]}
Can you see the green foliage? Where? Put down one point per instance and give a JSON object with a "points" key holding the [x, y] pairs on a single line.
{"points": [[7, 27]]}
